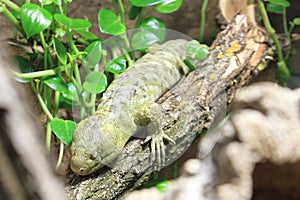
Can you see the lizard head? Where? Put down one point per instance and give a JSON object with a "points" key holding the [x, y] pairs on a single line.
{"points": [[93, 146]]}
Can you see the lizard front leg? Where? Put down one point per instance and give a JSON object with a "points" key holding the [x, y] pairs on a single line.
{"points": [[153, 115]]}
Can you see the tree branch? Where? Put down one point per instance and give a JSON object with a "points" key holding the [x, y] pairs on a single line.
{"points": [[190, 108]]}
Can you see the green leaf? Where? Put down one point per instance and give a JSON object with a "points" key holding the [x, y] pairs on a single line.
{"points": [[109, 22], [134, 12], [190, 62], [25, 67], [71, 97], [168, 6], [162, 185], [60, 50], [63, 129], [24, 64], [46, 2], [72, 23], [144, 3], [296, 21], [282, 3], [60, 32], [86, 34], [34, 19], [155, 26], [93, 54], [272, 8], [143, 39], [95, 82], [49, 7], [117, 65], [196, 50], [57, 83], [57, 2]]}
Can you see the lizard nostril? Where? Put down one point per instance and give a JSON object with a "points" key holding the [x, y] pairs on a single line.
{"points": [[92, 157]]}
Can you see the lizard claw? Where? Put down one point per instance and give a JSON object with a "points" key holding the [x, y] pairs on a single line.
{"points": [[157, 147]]}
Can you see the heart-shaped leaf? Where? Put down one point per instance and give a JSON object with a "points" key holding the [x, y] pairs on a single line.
{"points": [[282, 3], [196, 50], [70, 98], [134, 12], [93, 54], [63, 129], [296, 21], [143, 39], [117, 65], [34, 19], [109, 22], [72, 23], [95, 82], [24, 64], [60, 50], [144, 3], [57, 83], [155, 26], [25, 67], [72, 94], [86, 34], [46, 2], [273, 8], [168, 6]]}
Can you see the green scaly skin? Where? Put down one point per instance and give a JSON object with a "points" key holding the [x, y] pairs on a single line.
{"points": [[127, 105]]}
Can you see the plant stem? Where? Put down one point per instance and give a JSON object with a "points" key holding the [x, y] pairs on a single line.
{"points": [[82, 41], [46, 49], [270, 29], [44, 73], [122, 11], [60, 155], [203, 19], [91, 104], [48, 137], [44, 107], [292, 26], [11, 18], [12, 5], [140, 18], [56, 103], [284, 22], [125, 51], [71, 42], [77, 74], [282, 69], [49, 116]]}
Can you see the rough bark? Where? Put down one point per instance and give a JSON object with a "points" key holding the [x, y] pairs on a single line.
{"points": [[25, 172], [260, 141], [190, 108]]}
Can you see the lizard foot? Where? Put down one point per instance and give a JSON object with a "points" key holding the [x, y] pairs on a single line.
{"points": [[157, 147]]}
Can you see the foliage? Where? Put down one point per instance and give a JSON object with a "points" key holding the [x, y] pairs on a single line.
{"points": [[279, 7], [71, 76]]}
